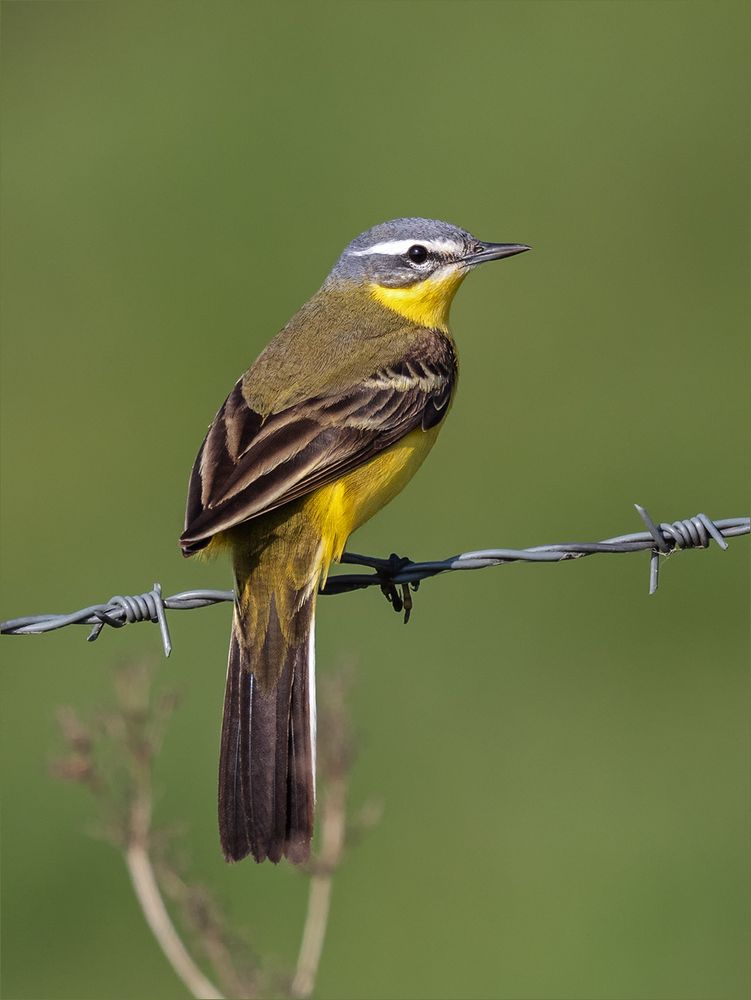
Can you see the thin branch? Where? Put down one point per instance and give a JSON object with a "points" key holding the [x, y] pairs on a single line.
{"points": [[114, 758], [155, 912], [660, 540], [336, 756], [333, 827], [132, 734], [230, 956], [142, 744]]}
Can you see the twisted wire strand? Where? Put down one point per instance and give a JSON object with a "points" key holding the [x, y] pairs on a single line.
{"points": [[659, 539]]}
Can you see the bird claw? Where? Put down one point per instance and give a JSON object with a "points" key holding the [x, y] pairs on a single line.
{"points": [[399, 595]]}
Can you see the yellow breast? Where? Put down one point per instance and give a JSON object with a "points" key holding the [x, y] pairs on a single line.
{"points": [[339, 509]]}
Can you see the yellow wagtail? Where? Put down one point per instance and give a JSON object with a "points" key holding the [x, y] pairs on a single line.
{"points": [[326, 427]]}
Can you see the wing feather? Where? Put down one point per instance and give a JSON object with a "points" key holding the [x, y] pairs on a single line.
{"points": [[249, 464]]}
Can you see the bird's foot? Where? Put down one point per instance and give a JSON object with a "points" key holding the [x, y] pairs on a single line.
{"points": [[399, 595]]}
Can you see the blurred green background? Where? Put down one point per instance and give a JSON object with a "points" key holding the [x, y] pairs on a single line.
{"points": [[563, 761]]}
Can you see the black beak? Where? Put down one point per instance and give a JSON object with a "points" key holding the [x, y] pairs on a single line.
{"points": [[494, 251]]}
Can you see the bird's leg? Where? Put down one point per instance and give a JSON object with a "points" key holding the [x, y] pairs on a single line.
{"points": [[391, 591]]}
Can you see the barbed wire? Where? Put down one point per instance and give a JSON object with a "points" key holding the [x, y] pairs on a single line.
{"points": [[389, 574]]}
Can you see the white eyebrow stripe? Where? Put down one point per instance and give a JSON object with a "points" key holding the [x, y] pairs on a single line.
{"points": [[396, 247]]}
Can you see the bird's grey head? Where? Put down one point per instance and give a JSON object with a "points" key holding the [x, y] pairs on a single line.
{"points": [[406, 251]]}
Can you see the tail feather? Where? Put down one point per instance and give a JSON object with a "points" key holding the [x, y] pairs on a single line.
{"points": [[234, 820], [301, 767], [266, 769]]}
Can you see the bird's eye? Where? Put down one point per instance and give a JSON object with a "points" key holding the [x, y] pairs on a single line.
{"points": [[417, 254]]}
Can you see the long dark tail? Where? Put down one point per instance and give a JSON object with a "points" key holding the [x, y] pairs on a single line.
{"points": [[267, 762]]}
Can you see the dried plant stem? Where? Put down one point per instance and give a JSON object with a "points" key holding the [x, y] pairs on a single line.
{"points": [[141, 869], [114, 759], [211, 931], [333, 828], [150, 899]]}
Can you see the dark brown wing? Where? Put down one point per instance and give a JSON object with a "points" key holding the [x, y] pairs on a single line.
{"points": [[249, 465]]}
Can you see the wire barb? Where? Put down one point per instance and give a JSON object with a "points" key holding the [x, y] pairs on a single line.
{"points": [[659, 540], [693, 532], [143, 608]]}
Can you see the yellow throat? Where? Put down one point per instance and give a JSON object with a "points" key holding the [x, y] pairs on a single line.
{"points": [[427, 302]]}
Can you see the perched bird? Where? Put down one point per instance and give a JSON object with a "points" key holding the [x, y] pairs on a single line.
{"points": [[327, 426]]}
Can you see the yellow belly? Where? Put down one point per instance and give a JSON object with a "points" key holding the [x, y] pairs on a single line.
{"points": [[340, 508]]}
